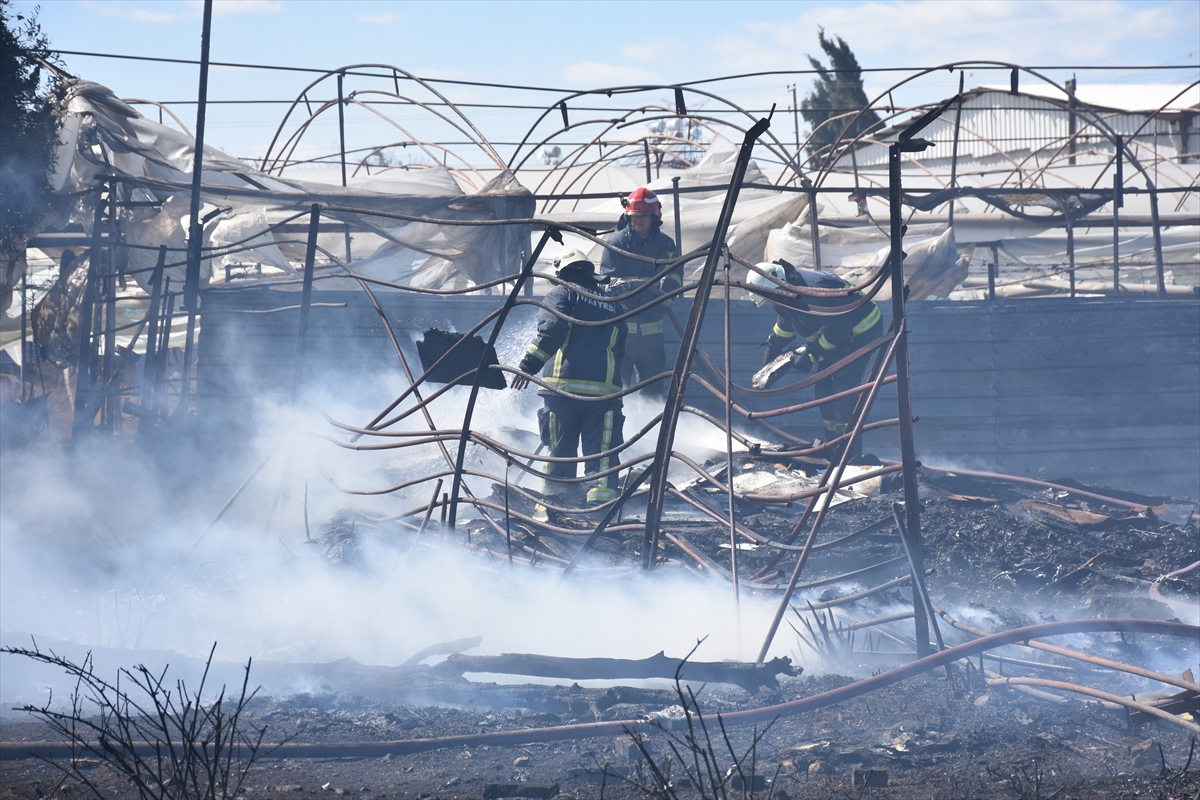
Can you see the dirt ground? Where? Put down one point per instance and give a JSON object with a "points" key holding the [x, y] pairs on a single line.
{"points": [[1016, 555]]}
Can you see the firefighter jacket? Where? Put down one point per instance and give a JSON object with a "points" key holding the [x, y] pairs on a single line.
{"points": [[824, 334], [615, 265], [578, 359]]}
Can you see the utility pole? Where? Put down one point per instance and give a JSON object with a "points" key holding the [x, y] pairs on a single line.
{"points": [[191, 285], [796, 117]]}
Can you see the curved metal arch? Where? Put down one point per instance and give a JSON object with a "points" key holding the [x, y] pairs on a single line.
{"points": [[700, 120], [613, 122], [293, 142], [592, 170], [388, 167], [416, 141], [1085, 110], [647, 88], [481, 140], [1150, 117], [161, 107], [592, 167]]}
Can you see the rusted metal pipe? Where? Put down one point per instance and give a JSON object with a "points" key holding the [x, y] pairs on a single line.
{"points": [[1144, 708], [832, 477], [1075, 654], [526, 271], [687, 349]]}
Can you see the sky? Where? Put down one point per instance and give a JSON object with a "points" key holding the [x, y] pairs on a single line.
{"points": [[584, 45]]}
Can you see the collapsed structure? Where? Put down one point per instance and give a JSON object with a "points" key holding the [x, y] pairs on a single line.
{"points": [[943, 214]]}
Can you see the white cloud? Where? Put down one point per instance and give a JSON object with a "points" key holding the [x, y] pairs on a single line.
{"points": [[386, 18], [154, 13], [917, 33], [133, 12], [653, 50], [228, 8], [595, 74]]}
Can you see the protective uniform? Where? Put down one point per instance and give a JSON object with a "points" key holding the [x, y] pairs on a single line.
{"points": [[585, 361], [830, 338], [645, 354]]}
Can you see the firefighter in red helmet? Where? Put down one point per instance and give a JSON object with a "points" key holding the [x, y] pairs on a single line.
{"points": [[639, 232]]}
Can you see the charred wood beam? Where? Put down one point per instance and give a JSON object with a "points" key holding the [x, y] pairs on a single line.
{"points": [[750, 677], [17, 750]]}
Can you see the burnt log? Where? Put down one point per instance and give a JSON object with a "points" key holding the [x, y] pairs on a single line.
{"points": [[749, 676]]}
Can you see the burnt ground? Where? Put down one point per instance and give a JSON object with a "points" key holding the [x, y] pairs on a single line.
{"points": [[1007, 554]]}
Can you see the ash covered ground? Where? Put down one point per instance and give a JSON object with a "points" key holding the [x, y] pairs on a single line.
{"points": [[1000, 556]]}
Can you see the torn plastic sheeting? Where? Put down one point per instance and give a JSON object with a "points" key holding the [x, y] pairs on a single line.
{"points": [[102, 134]]}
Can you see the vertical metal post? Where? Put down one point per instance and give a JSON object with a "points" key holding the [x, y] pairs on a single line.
{"points": [[161, 372], [1118, 201], [904, 399], [1071, 244], [954, 152], [993, 268], [1072, 122], [342, 143], [814, 230], [646, 150], [146, 421], [733, 559], [112, 401], [678, 222], [450, 515], [796, 120], [1158, 255], [191, 284], [82, 420], [314, 224], [687, 351], [24, 311]]}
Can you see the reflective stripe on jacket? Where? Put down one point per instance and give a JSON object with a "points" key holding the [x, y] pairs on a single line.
{"points": [[579, 359], [828, 333]]}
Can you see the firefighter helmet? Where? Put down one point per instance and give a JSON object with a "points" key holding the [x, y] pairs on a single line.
{"points": [[573, 258], [642, 201], [757, 279]]}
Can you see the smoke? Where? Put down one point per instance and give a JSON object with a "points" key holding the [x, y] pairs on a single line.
{"points": [[108, 546]]}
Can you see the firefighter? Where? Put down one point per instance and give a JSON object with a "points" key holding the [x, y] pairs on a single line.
{"points": [[638, 231], [583, 361], [828, 338]]}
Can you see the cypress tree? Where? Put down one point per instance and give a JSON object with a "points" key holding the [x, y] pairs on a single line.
{"points": [[837, 90]]}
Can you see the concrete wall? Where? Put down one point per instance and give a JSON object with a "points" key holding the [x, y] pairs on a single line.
{"points": [[1101, 391]]}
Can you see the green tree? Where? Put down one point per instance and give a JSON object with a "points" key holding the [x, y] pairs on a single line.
{"points": [[837, 91], [28, 126]]}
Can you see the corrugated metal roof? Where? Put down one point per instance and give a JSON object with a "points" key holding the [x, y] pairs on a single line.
{"points": [[995, 123]]}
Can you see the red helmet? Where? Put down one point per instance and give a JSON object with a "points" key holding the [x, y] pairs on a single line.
{"points": [[642, 201]]}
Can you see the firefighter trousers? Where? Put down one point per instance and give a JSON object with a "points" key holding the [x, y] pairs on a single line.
{"points": [[599, 427]]}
